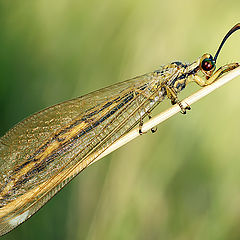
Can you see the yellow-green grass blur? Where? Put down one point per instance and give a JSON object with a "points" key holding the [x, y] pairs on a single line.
{"points": [[181, 183]]}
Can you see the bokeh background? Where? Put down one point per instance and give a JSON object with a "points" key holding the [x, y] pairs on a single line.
{"points": [[182, 182]]}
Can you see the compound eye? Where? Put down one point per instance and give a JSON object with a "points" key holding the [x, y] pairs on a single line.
{"points": [[208, 64]]}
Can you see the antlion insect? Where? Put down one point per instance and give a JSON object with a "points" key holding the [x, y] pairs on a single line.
{"points": [[41, 154]]}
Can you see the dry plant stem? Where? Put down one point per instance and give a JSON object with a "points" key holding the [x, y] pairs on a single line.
{"points": [[170, 112]]}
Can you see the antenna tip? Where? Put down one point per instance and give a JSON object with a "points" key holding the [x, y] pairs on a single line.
{"points": [[230, 32]]}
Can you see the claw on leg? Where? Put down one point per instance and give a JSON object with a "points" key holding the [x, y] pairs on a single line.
{"points": [[172, 95], [183, 109], [140, 127], [154, 129]]}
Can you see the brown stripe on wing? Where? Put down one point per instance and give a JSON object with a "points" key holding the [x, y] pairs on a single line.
{"points": [[58, 145]]}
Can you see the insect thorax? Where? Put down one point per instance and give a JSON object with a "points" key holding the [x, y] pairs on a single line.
{"points": [[176, 75], [185, 74]]}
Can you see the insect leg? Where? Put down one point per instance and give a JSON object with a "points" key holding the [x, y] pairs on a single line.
{"points": [[154, 129], [172, 95], [139, 112], [226, 68]]}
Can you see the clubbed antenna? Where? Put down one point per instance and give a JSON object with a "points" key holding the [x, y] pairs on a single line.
{"points": [[231, 31]]}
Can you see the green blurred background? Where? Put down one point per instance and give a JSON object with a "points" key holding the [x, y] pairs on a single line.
{"points": [[180, 183]]}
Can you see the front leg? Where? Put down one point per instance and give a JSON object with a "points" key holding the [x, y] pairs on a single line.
{"points": [[209, 80]]}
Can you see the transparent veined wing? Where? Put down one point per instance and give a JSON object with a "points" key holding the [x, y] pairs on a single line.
{"points": [[46, 150]]}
